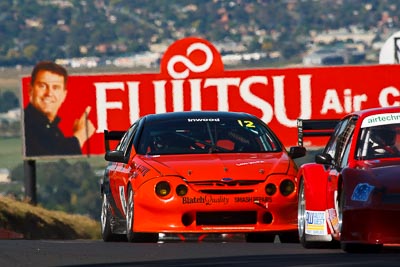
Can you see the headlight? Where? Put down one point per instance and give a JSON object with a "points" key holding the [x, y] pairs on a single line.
{"points": [[181, 190], [362, 192], [286, 187], [270, 189], [163, 189]]}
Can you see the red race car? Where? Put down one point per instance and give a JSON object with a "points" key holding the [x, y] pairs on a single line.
{"points": [[350, 196], [199, 172]]}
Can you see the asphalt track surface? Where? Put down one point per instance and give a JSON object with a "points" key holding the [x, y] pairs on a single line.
{"points": [[231, 253]]}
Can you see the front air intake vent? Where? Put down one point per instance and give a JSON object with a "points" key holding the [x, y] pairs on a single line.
{"points": [[228, 183], [226, 218], [226, 191]]}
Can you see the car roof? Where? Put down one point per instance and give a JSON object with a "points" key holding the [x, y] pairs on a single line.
{"points": [[379, 110], [198, 115]]}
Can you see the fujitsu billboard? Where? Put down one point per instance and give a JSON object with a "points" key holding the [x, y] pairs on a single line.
{"points": [[192, 77]]}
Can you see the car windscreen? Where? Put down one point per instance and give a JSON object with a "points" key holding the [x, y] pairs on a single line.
{"points": [[381, 141], [201, 136]]}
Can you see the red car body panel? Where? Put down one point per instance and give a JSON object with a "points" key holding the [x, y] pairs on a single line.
{"points": [[315, 174], [375, 221]]}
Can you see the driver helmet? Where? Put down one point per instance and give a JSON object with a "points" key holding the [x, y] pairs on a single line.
{"points": [[383, 136], [160, 142]]}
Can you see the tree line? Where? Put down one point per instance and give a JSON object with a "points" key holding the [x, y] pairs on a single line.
{"points": [[8, 101], [46, 30], [72, 187]]}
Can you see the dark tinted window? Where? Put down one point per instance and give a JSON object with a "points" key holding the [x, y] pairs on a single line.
{"points": [[381, 141]]}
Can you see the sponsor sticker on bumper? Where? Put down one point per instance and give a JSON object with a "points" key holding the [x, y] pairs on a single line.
{"points": [[315, 223]]}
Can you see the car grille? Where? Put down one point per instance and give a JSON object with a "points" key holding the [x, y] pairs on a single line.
{"points": [[229, 183], [230, 187], [226, 191], [226, 218]]}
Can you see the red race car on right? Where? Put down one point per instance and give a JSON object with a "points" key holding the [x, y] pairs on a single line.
{"points": [[350, 196]]}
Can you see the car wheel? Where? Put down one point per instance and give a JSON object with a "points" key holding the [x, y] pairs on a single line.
{"points": [[301, 220], [105, 220], [260, 237], [130, 234], [301, 217]]}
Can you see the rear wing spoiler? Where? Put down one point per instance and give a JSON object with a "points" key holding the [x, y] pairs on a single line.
{"points": [[112, 135], [314, 128]]}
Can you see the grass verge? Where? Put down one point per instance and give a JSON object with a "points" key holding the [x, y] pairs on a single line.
{"points": [[35, 222]]}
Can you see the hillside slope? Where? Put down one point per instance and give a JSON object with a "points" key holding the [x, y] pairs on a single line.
{"points": [[34, 222]]}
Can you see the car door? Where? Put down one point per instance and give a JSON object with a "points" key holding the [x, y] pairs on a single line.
{"points": [[340, 149], [122, 170]]}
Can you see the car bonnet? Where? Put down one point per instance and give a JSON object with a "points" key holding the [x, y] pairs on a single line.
{"points": [[251, 166]]}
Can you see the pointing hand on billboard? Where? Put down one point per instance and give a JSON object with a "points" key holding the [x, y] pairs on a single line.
{"points": [[83, 127]]}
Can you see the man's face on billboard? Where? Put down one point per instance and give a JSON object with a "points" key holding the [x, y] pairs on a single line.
{"points": [[48, 93]]}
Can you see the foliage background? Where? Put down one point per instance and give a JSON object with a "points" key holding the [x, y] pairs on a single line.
{"points": [[65, 186], [34, 30]]}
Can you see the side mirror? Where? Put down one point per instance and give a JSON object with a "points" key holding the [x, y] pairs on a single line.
{"points": [[116, 156], [297, 152], [323, 159]]}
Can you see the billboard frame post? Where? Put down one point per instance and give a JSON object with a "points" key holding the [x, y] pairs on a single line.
{"points": [[30, 181]]}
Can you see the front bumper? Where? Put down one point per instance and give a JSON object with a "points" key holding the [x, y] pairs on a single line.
{"points": [[214, 213], [371, 226]]}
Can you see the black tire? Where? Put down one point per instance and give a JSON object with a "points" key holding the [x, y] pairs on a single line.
{"points": [[301, 218], [260, 238], [130, 234], [105, 222]]}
